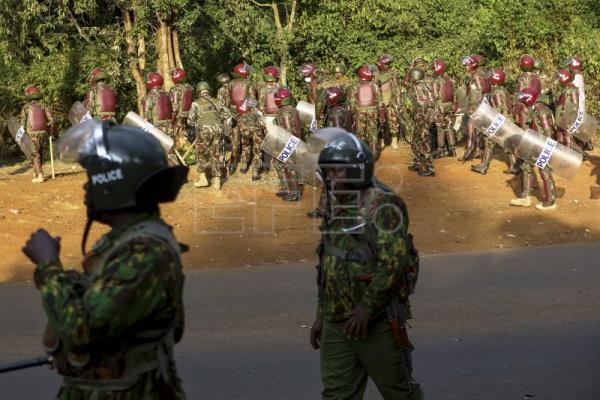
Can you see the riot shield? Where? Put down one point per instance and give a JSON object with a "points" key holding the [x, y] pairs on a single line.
{"points": [[319, 139], [461, 99], [531, 146], [291, 150], [307, 115], [579, 124], [78, 113], [18, 133], [132, 119]]}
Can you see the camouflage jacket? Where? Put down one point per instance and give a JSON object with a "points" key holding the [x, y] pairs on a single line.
{"points": [[568, 103], [208, 113], [540, 118], [223, 96], [388, 82], [288, 118], [501, 101], [177, 94], [250, 123], [118, 320], [339, 116], [93, 101], [362, 264], [29, 126], [151, 111]]}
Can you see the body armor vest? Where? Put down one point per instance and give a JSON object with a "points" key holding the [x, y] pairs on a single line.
{"points": [[289, 119], [446, 89], [107, 102], [186, 100], [501, 101], [270, 105], [205, 113], [164, 109], [238, 91], [365, 95], [37, 121]]}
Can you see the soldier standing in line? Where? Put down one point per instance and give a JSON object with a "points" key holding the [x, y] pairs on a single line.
{"points": [[158, 110], [112, 329], [424, 116], [240, 88], [367, 108], [575, 65], [101, 101], [568, 102], [443, 93], [37, 120], [291, 185], [500, 100], [208, 117], [182, 95], [387, 80], [251, 131], [478, 86], [546, 84], [368, 267], [538, 117], [223, 92]]}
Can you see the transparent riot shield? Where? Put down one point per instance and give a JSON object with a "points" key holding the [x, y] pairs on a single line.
{"points": [[78, 113], [132, 119], [307, 115], [531, 146], [579, 124], [18, 133], [319, 139], [291, 150]]}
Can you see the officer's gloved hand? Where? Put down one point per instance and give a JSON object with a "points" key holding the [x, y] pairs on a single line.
{"points": [[41, 247], [358, 324], [315, 333]]}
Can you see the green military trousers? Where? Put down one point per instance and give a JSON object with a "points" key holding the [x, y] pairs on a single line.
{"points": [[346, 364]]}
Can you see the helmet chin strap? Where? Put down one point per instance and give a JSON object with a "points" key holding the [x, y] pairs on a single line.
{"points": [[86, 233]]}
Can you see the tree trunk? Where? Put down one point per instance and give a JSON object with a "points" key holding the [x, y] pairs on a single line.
{"points": [[162, 44], [176, 48], [170, 47], [135, 59]]}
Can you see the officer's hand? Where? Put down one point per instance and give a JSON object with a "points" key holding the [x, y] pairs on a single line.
{"points": [[315, 334], [42, 247], [358, 324]]}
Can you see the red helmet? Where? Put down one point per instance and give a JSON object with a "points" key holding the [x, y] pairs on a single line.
{"points": [[241, 70], [528, 96], [283, 97], [479, 59], [32, 89], [575, 64], [333, 95], [498, 76], [470, 62], [154, 80], [308, 70], [384, 59], [365, 73], [246, 105], [271, 73], [564, 77], [97, 75], [178, 74], [438, 66], [526, 62]]}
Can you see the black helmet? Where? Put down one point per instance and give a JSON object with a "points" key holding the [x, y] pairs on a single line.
{"points": [[352, 153], [126, 166]]}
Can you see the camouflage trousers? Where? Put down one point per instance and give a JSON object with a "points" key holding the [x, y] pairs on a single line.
{"points": [[346, 364], [392, 120], [421, 144], [38, 139], [208, 151], [366, 128], [168, 130], [250, 152], [446, 137], [548, 186]]}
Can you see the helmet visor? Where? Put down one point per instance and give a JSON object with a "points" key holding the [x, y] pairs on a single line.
{"points": [[82, 140]]}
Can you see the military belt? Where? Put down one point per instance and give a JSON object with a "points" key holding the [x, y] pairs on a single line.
{"points": [[358, 254]]}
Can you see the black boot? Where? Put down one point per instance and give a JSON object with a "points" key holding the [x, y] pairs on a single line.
{"points": [[255, 175], [414, 167], [428, 171], [316, 213], [485, 162], [283, 184]]}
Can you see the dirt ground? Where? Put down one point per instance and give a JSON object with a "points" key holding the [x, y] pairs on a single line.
{"points": [[245, 224]]}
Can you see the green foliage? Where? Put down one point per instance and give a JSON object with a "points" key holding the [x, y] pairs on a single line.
{"points": [[56, 44]]}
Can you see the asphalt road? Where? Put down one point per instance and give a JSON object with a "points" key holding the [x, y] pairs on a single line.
{"points": [[493, 326]]}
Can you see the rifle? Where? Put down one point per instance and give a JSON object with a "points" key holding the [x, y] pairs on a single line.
{"points": [[23, 364]]}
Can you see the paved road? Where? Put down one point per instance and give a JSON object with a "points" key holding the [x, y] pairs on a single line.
{"points": [[491, 326]]}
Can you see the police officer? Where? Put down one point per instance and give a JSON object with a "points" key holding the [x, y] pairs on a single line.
{"points": [[288, 118], [240, 87], [568, 103], [101, 100], [539, 118], [575, 66], [337, 112], [112, 329], [207, 117], [158, 110], [387, 80], [37, 120], [477, 86], [367, 108], [424, 116], [223, 92], [443, 93], [367, 270], [251, 131], [182, 95]]}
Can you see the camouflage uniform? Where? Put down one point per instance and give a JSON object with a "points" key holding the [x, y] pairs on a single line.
{"points": [[424, 116], [112, 329], [101, 102], [288, 118], [37, 119], [158, 110], [206, 116], [443, 91], [223, 96], [366, 115], [568, 103], [365, 268], [182, 95], [251, 131], [388, 83]]}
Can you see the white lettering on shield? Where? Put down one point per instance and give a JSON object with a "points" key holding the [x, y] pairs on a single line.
{"points": [[496, 125], [147, 127], [546, 153], [19, 135], [289, 149], [577, 123], [107, 177], [86, 117]]}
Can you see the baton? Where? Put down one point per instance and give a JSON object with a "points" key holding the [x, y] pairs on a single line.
{"points": [[51, 155]]}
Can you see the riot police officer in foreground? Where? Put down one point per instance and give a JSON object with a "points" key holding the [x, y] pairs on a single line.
{"points": [[112, 329], [367, 269]]}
